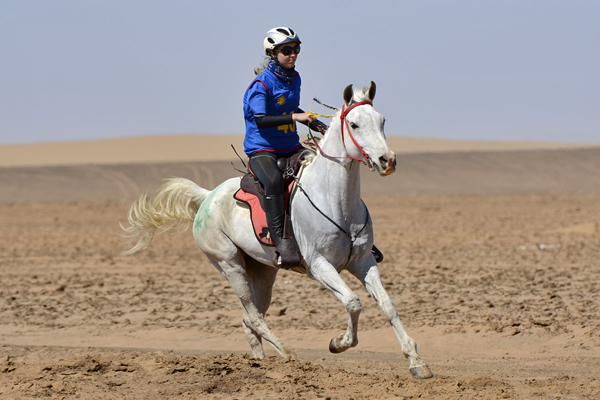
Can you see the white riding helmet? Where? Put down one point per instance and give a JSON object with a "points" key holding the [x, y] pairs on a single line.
{"points": [[278, 36]]}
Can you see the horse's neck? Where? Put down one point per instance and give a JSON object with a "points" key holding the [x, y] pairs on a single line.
{"points": [[338, 179]]}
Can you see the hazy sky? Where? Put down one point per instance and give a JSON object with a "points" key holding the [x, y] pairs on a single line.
{"points": [[490, 70]]}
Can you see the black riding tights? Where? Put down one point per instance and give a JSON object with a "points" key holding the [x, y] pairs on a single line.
{"points": [[264, 167]]}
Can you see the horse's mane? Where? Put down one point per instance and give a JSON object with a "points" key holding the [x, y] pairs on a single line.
{"points": [[308, 158]]}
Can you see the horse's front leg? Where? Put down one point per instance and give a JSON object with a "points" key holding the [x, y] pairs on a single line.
{"points": [[368, 273], [330, 279]]}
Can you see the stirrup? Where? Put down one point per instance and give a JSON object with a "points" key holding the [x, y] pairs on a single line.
{"points": [[377, 254], [287, 252]]}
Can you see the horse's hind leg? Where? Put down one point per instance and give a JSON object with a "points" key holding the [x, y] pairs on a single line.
{"points": [[255, 326], [371, 279], [261, 279]]}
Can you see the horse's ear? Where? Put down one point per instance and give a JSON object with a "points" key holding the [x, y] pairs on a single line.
{"points": [[348, 93], [372, 89]]}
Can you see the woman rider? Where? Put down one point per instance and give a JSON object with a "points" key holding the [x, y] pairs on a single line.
{"points": [[271, 112]]}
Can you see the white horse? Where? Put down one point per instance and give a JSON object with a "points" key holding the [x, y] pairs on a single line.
{"points": [[330, 221]]}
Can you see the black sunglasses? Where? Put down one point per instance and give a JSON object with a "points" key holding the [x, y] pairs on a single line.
{"points": [[287, 50]]}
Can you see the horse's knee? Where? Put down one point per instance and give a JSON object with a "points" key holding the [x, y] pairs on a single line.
{"points": [[354, 306]]}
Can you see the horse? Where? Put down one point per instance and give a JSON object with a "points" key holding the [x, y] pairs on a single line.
{"points": [[331, 224]]}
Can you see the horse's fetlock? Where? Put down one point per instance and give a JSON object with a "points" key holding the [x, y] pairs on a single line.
{"points": [[409, 348]]}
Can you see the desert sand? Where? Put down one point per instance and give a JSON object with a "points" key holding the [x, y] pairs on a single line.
{"points": [[492, 259]]}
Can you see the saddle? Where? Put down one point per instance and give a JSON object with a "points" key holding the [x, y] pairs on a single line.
{"points": [[252, 193]]}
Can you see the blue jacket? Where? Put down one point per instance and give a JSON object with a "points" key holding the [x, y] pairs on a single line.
{"points": [[269, 95]]}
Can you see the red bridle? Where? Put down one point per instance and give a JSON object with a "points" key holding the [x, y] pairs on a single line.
{"points": [[343, 122]]}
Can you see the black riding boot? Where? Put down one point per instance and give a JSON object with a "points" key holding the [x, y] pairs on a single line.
{"points": [[287, 253]]}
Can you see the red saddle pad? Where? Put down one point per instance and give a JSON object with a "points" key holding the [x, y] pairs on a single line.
{"points": [[257, 214]]}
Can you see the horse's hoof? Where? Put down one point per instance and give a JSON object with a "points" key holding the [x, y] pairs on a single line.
{"points": [[422, 372], [289, 354], [333, 348]]}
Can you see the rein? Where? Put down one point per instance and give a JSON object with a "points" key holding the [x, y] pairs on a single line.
{"points": [[315, 114], [352, 238]]}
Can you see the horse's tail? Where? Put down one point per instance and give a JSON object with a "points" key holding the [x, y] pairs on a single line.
{"points": [[176, 201]]}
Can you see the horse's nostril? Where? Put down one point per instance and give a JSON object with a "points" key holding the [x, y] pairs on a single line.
{"points": [[383, 161]]}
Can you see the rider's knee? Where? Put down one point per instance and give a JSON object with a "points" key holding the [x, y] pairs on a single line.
{"points": [[275, 184]]}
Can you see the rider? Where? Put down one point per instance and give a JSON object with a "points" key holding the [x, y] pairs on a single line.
{"points": [[271, 112]]}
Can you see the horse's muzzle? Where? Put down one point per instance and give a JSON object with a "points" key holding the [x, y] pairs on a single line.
{"points": [[389, 163]]}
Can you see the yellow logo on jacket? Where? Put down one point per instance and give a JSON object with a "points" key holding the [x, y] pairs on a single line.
{"points": [[284, 128], [281, 100]]}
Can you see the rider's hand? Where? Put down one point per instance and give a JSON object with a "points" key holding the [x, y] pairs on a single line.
{"points": [[303, 117]]}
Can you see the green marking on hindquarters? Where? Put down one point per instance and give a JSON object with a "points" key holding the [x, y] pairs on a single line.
{"points": [[203, 214]]}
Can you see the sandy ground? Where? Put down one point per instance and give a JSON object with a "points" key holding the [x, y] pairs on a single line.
{"points": [[500, 288]]}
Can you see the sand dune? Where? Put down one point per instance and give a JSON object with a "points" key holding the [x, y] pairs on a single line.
{"points": [[532, 171], [120, 169], [176, 148]]}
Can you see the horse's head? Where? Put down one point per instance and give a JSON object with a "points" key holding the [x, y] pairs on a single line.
{"points": [[363, 125]]}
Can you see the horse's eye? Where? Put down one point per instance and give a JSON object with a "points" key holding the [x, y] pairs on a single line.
{"points": [[353, 125]]}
